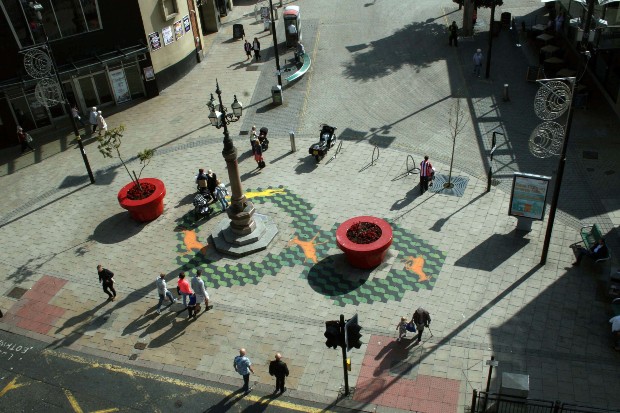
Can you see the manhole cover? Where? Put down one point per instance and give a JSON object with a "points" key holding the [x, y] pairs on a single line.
{"points": [[17, 293], [251, 68], [244, 132], [140, 346], [133, 357], [590, 155]]}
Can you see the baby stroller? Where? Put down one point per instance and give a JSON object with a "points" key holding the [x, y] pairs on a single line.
{"points": [[201, 206], [262, 138]]}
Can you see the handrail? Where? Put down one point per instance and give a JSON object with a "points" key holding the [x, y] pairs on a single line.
{"points": [[372, 160]]}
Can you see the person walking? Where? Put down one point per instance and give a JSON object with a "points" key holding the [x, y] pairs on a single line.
{"points": [[106, 279], [76, 115], [243, 366], [24, 139], [198, 285], [192, 306], [162, 290], [248, 49], [402, 328], [426, 173], [421, 318], [258, 153], [92, 118], [256, 48], [183, 288], [478, 62], [454, 34], [220, 194], [103, 126], [211, 182], [279, 369]]}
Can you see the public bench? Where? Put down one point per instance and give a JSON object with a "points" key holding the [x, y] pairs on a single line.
{"points": [[302, 70], [591, 235]]}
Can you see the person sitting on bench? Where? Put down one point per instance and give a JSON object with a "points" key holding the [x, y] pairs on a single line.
{"points": [[299, 53], [596, 252]]}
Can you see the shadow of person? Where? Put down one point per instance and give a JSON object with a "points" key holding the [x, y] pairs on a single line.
{"points": [[176, 330], [80, 318], [409, 197], [227, 402], [390, 354]]}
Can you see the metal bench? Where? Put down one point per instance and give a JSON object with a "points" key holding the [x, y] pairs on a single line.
{"points": [[302, 70], [591, 235]]}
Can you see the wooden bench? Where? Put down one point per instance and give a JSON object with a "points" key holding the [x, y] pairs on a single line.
{"points": [[591, 235], [302, 70]]}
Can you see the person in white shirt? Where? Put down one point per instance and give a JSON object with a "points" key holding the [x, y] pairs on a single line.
{"points": [[162, 289]]}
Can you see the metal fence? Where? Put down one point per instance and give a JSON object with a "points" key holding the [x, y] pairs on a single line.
{"points": [[483, 402]]}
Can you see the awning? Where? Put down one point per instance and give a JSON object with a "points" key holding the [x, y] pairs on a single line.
{"points": [[604, 2]]}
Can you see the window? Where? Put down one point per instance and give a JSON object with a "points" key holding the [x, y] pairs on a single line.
{"points": [[169, 9], [30, 20]]}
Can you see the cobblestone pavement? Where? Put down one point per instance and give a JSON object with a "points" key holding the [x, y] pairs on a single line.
{"points": [[385, 77]]}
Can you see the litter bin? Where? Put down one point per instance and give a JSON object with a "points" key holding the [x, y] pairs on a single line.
{"points": [[276, 95], [238, 32]]}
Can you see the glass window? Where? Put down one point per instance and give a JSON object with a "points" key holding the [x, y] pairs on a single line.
{"points": [[103, 88], [70, 17], [91, 13], [15, 14], [88, 91], [134, 80]]}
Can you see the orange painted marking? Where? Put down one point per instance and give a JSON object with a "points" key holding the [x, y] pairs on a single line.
{"points": [[416, 266], [308, 247], [191, 242]]}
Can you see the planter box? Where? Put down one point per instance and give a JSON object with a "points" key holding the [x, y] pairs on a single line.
{"points": [[364, 255], [147, 209]]}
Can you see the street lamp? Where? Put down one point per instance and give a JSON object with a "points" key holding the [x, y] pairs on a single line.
{"points": [[37, 8], [244, 234]]}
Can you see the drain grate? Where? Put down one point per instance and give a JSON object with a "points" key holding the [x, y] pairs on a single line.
{"points": [[17, 293], [590, 155], [133, 357]]}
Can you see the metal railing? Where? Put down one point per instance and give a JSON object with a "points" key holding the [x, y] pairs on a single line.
{"points": [[483, 402]]}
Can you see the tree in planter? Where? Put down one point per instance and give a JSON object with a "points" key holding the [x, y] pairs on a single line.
{"points": [[109, 146], [457, 123], [468, 12]]}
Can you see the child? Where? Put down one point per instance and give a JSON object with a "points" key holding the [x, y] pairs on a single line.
{"points": [[402, 328], [192, 308], [220, 194]]}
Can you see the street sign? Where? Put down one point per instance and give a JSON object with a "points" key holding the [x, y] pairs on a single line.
{"points": [[492, 363]]}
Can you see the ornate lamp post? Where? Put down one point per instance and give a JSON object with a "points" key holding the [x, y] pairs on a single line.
{"points": [[243, 235]]}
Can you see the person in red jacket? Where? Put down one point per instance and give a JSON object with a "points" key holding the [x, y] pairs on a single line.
{"points": [[22, 137], [184, 288]]}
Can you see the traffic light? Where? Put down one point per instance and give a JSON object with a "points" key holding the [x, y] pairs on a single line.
{"points": [[352, 333], [332, 333]]}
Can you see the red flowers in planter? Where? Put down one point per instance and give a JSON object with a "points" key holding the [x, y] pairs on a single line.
{"points": [[141, 192], [364, 233]]}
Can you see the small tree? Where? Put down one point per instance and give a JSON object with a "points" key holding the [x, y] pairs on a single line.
{"points": [[109, 145], [457, 123]]}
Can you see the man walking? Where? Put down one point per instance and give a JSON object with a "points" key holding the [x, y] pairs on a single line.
{"points": [[477, 62], [198, 285], [426, 172], [243, 366], [422, 319], [279, 369], [92, 118], [106, 279], [162, 289], [454, 32]]}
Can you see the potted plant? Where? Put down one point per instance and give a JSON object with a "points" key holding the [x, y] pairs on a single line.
{"points": [[142, 197], [364, 240]]}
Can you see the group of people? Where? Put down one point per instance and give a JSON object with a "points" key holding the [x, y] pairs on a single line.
{"points": [[95, 119], [216, 189], [257, 149], [420, 320], [277, 368], [252, 47]]}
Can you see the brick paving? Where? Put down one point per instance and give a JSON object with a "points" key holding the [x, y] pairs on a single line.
{"points": [[488, 296]]}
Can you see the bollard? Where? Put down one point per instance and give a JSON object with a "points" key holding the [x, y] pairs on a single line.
{"points": [[291, 135], [506, 97]]}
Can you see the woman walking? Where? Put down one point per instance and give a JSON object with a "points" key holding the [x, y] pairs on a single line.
{"points": [[256, 47], [258, 153], [103, 126]]}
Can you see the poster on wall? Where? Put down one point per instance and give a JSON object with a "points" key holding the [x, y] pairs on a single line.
{"points": [[149, 73], [119, 85], [168, 35], [154, 41], [529, 195], [187, 24], [178, 29]]}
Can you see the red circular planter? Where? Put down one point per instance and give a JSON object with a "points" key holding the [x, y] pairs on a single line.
{"points": [[364, 255], [147, 209]]}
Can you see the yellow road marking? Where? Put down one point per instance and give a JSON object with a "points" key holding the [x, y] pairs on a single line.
{"points": [[12, 386], [114, 409], [181, 383], [73, 402]]}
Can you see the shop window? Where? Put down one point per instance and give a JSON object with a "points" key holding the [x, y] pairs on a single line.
{"points": [[59, 18], [169, 9]]}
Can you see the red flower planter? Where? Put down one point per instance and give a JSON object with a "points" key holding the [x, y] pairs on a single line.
{"points": [[147, 209], [364, 255]]}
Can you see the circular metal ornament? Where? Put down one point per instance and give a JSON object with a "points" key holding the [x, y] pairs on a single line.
{"points": [[552, 100], [546, 140], [48, 93], [37, 63]]}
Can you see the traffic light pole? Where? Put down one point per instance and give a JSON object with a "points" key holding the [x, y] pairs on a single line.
{"points": [[344, 356]]}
